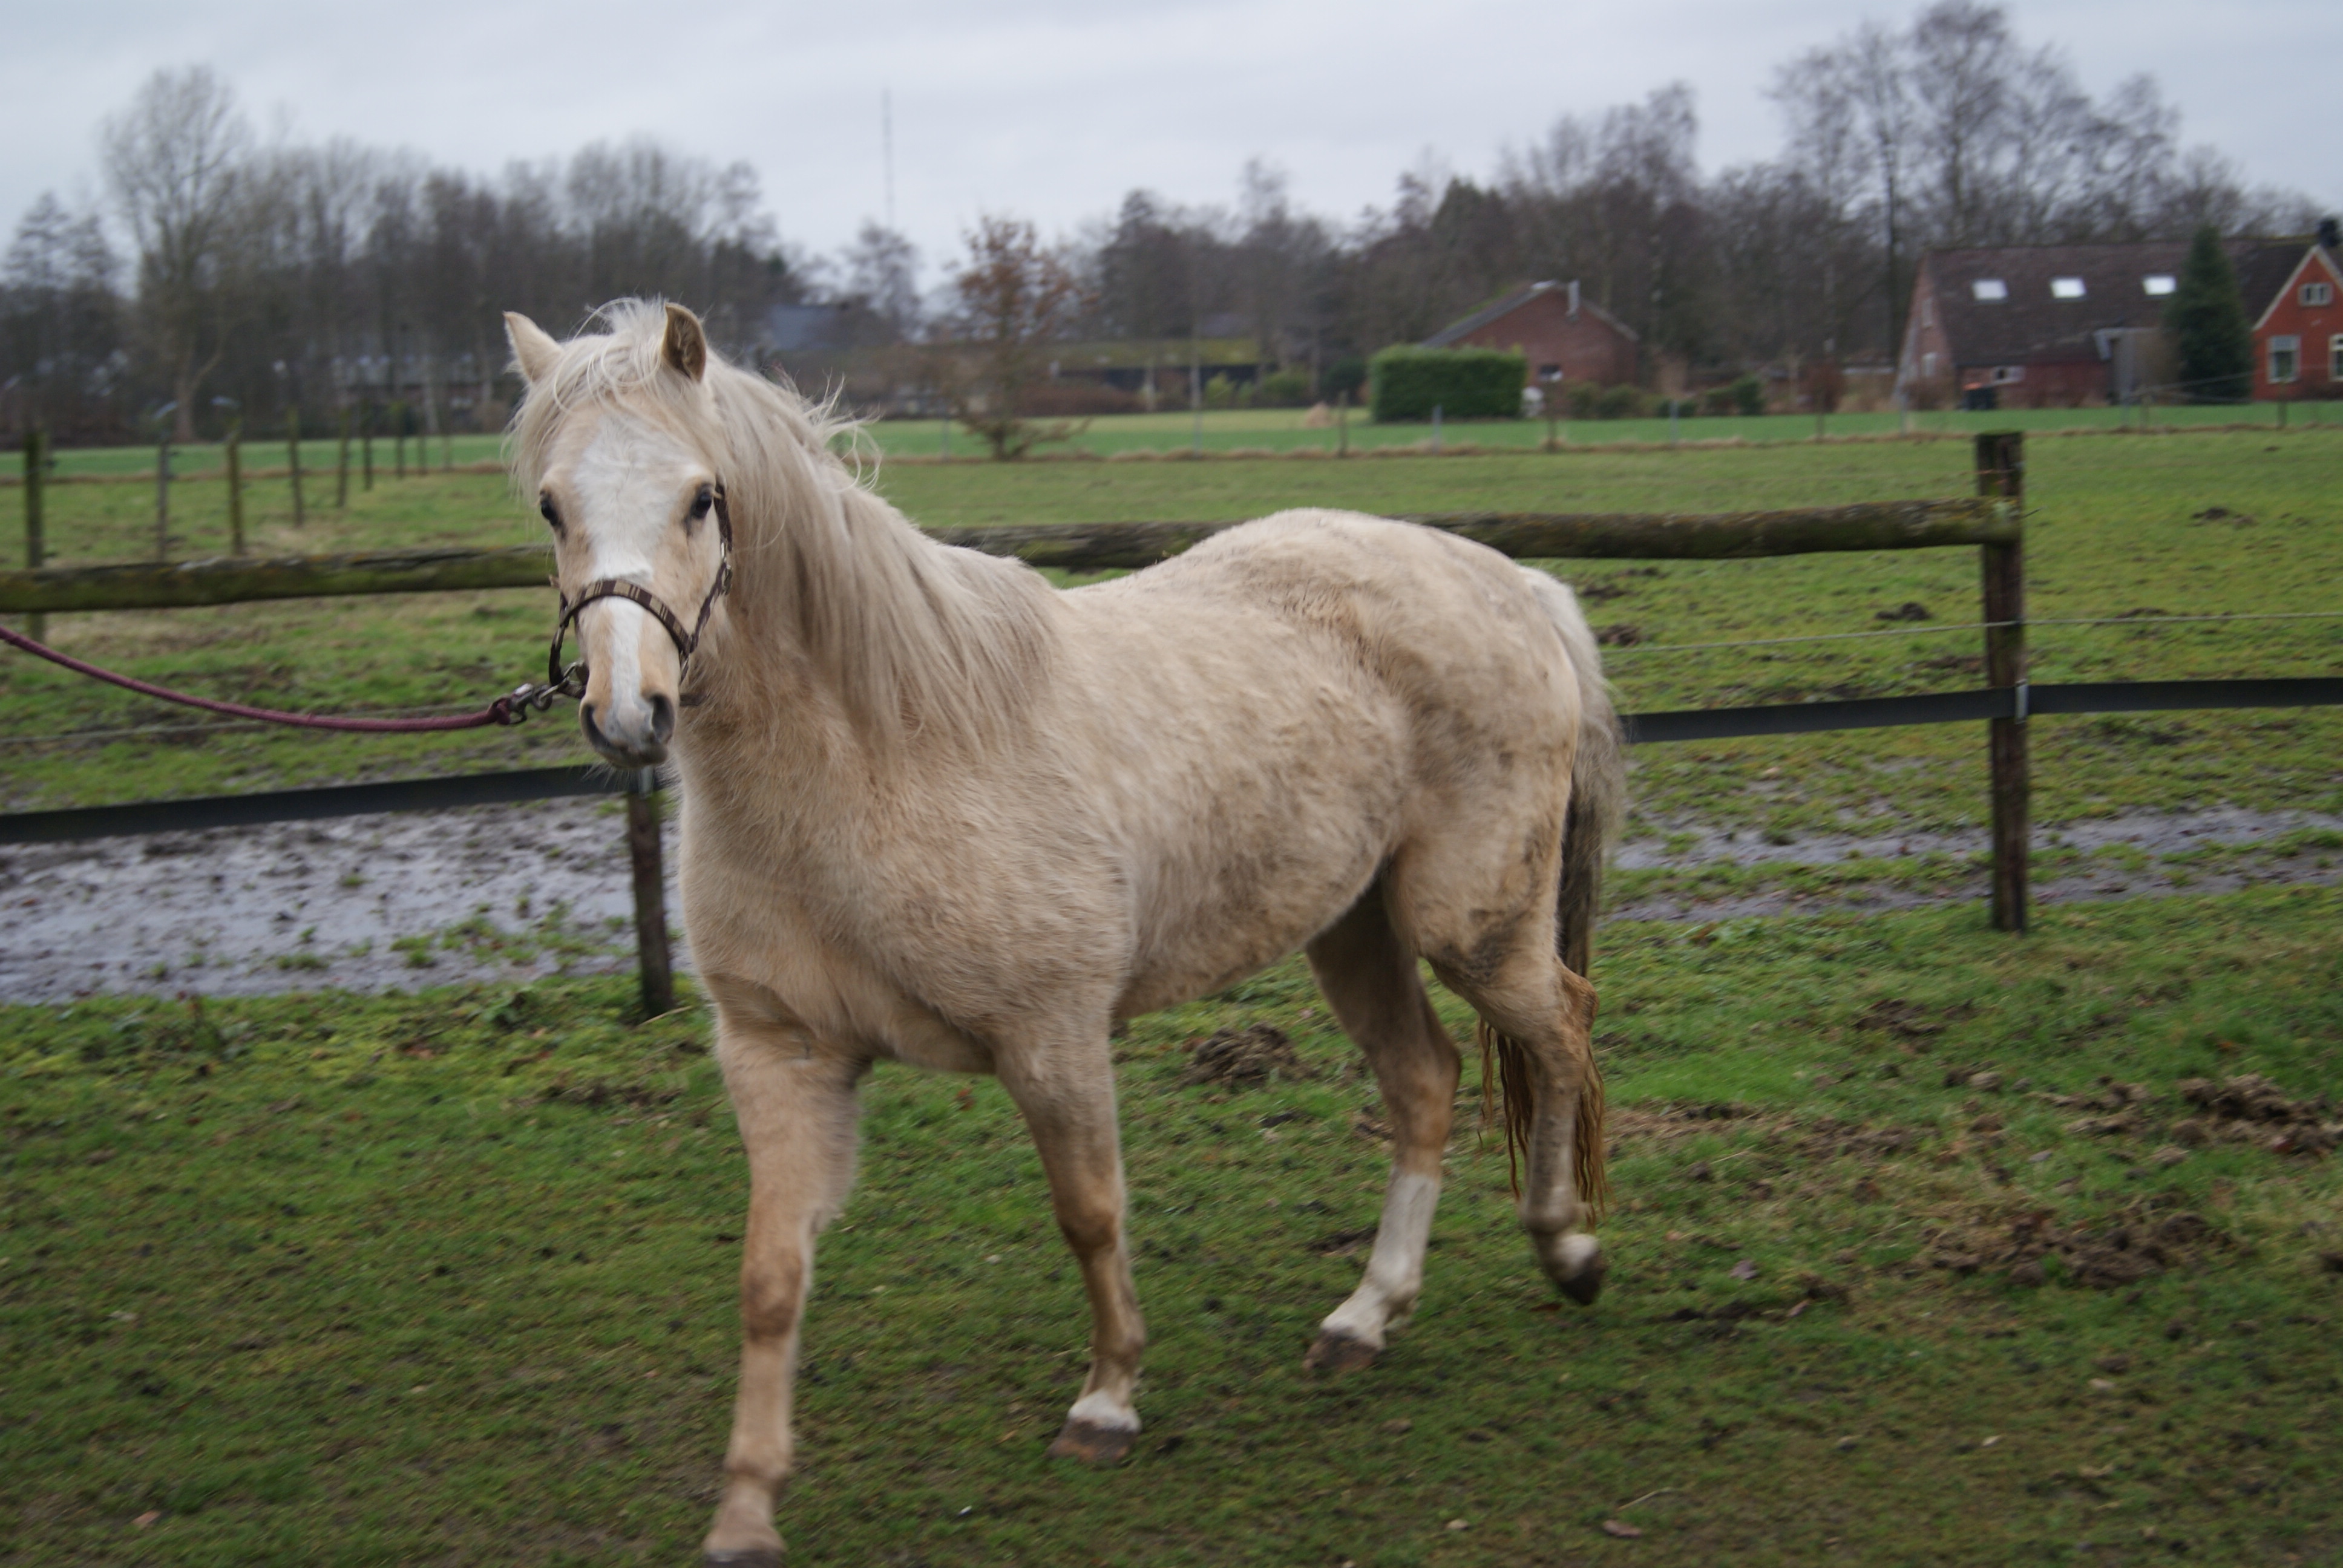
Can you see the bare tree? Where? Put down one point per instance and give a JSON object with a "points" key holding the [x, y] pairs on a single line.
{"points": [[1016, 297], [174, 161], [882, 270], [59, 316]]}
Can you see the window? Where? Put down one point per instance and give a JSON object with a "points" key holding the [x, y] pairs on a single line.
{"points": [[2335, 359], [2004, 374], [1549, 372], [1927, 313], [1989, 289], [1929, 361], [2158, 283], [2285, 359], [2065, 289], [2317, 294]]}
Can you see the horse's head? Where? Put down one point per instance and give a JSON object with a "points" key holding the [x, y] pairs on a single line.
{"points": [[617, 436]]}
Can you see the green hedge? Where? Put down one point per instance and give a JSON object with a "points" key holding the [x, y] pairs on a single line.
{"points": [[1463, 383]]}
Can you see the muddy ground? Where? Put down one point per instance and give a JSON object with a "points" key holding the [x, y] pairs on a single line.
{"points": [[510, 892]]}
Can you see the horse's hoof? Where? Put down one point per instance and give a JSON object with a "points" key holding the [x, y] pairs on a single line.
{"points": [[752, 1557], [1586, 1285], [1336, 1351], [1573, 1261], [1092, 1443]]}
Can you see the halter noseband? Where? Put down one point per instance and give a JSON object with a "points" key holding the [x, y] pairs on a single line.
{"points": [[571, 682]]}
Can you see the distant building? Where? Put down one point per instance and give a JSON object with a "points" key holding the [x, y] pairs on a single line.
{"points": [[1564, 338], [2056, 326], [2298, 334]]}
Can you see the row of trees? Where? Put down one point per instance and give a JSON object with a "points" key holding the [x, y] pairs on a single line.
{"points": [[265, 276]]}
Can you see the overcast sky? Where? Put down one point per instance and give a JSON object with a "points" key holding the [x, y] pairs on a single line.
{"points": [[1052, 108]]}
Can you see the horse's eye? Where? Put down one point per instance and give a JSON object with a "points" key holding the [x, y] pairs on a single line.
{"points": [[545, 509], [701, 499]]}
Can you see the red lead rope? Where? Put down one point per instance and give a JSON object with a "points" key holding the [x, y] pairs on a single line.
{"points": [[510, 708]]}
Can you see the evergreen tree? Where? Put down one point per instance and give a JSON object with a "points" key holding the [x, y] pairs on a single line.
{"points": [[2212, 342]]}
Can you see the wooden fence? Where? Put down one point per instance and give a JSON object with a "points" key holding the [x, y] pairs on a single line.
{"points": [[1991, 523]]}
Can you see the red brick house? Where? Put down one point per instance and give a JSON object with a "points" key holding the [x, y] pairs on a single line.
{"points": [[2055, 325], [1564, 338], [2298, 337]]}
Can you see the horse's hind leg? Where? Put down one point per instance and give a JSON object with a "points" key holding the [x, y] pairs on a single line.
{"points": [[1543, 1017], [1369, 981]]}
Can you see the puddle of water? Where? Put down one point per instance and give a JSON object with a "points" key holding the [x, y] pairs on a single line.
{"points": [[544, 889], [302, 906]]}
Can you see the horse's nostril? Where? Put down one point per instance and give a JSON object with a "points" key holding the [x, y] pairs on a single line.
{"points": [[662, 719], [593, 730]]}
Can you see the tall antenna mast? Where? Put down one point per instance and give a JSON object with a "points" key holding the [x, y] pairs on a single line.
{"points": [[887, 148]]}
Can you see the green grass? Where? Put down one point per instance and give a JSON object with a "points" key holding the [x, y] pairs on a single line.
{"points": [[449, 1278], [2115, 528], [1226, 430]]}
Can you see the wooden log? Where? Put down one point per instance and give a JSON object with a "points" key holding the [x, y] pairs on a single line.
{"points": [[231, 580], [656, 961], [2001, 474], [1073, 547]]}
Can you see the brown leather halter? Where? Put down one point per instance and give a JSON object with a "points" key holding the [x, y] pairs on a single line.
{"points": [[571, 682]]}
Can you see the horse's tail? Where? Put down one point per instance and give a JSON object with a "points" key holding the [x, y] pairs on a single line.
{"points": [[1598, 803], [1598, 778]]}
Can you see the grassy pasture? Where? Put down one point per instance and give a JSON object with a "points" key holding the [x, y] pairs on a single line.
{"points": [[2144, 528], [1222, 430], [447, 1278]]}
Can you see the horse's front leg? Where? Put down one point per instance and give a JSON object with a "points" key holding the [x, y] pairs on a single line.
{"points": [[1067, 1103], [795, 1104]]}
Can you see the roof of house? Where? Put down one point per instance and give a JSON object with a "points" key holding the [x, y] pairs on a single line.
{"points": [[2040, 315], [2316, 253], [1457, 330]]}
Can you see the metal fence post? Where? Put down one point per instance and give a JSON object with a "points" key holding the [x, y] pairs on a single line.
{"points": [[2001, 474], [651, 893]]}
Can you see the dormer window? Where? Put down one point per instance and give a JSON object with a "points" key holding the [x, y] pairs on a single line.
{"points": [[1989, 289], [2065, 289], [2158, 283], [2315, 294]]}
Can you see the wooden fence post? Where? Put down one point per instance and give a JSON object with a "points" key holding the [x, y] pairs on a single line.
{"points": [[2001, 474], [162, 495], [651, 893], [35, 470], [232, 455], [342, 466], [293, 456]]}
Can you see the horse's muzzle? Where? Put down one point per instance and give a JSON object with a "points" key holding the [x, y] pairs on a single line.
{"points": [[632, 745]]}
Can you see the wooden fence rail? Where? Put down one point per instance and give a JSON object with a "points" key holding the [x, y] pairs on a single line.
{"points": [[1992, 522], [1070, 547]]}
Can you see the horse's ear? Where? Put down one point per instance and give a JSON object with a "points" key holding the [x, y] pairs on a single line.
{"points": [[685, 348], [534, 351]]}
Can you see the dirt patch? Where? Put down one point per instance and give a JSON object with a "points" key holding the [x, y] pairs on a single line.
{"points": [[2142, 1240], [1244, 1057], [1912, 1019], [1802, 1138], [1344, 1243], [2249, 1109]]}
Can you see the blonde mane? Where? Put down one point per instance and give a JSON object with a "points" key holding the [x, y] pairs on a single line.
{"points": [[914, 638]]}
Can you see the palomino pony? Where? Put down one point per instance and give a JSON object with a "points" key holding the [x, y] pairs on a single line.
{"points": [[935, 811]]}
